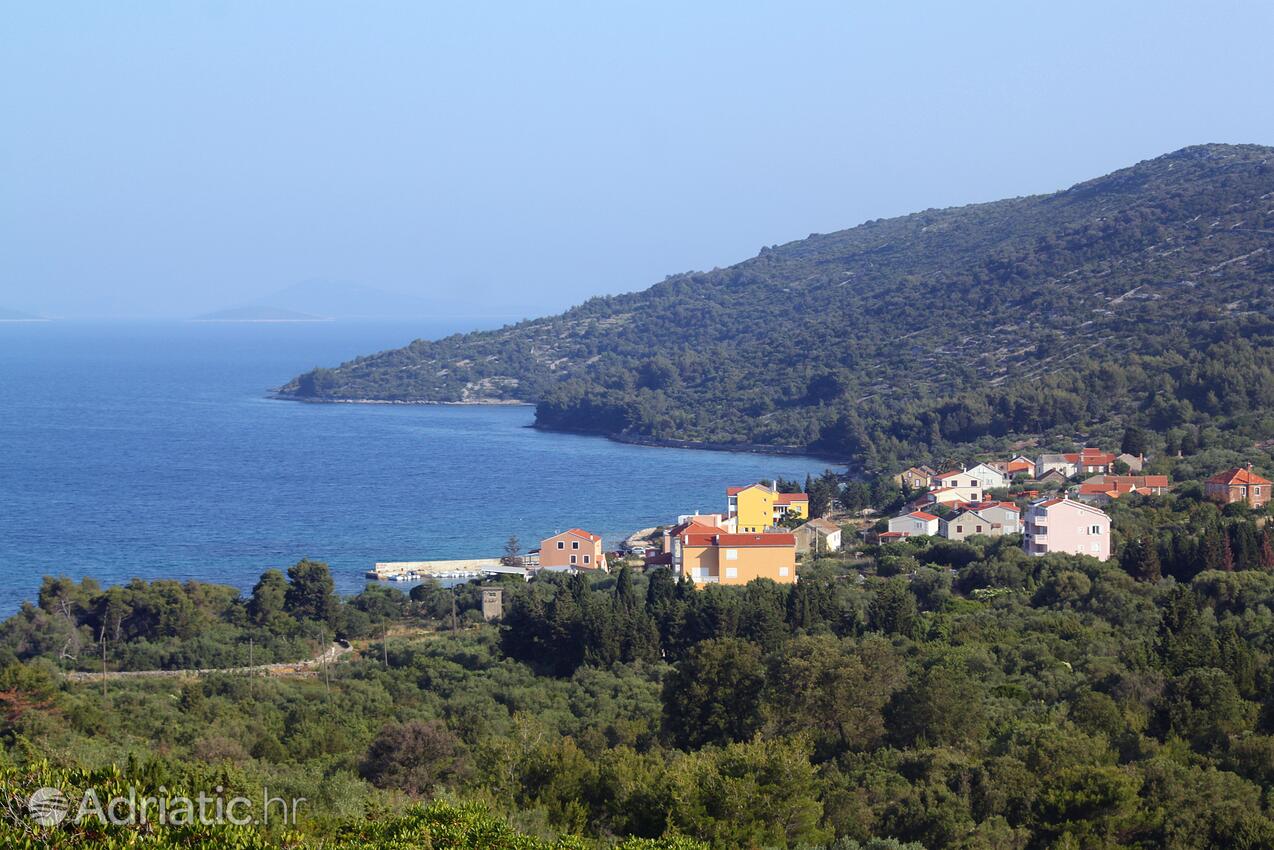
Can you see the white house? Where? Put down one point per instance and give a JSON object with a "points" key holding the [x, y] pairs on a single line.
{"points": [[914, 524], [960, 486], [990, 478]]}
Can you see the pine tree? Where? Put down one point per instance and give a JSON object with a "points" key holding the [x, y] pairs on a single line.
{"points": [[1141, 561], [1265, 557]]}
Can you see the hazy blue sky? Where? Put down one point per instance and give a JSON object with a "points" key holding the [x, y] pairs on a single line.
{"points": [[518, 157]]}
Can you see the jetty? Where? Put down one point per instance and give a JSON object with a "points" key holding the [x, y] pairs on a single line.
{"points": [[461, 568]]}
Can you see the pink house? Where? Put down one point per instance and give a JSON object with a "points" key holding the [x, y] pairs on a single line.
{"points": [[572, 550], [1064, 525]]}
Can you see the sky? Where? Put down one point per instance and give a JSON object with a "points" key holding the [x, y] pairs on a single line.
{"points": [[511, 159]]}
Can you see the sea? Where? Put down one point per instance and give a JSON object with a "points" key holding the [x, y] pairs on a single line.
{"points": [[154, 450]]}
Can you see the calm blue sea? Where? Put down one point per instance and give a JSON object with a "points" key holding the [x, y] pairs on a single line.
{"points": [[151, 450]]}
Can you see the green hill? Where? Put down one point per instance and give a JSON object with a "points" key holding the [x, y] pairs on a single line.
{"points": [[1142, 296]]}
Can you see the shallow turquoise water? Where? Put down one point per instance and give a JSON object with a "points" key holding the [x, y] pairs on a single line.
{"points": [[151, 449]]}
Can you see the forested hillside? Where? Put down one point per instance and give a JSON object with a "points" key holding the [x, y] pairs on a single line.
{"points": [[1142, 296]]}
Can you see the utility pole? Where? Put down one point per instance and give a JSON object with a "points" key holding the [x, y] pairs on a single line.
{"points": [[454, 627], [327, 679], [249, 655], [103, 640]]}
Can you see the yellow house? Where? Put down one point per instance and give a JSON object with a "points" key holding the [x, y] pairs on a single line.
{"points": [[757, 507], [709, 556]]}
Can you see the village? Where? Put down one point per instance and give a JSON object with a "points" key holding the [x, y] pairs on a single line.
{"points": [[1053, 501]]}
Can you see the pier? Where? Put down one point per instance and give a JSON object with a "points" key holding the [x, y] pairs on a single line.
{"points": [[463, 568]]}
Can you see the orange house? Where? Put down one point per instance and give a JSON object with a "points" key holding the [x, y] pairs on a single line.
{"points": [[1238, 485], [713, 557], [573, 549]]}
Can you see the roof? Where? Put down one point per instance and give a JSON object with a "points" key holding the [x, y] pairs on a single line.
{"points": [[963, 513], [1048, 503], [1237, 475], [823, 525], [982, 506], [1090, 456], [949, 474], [578, 532], [789, 498], [734, 491], [922, 515], [890, 534], [738, 541], [984, 466], [693, 522]]}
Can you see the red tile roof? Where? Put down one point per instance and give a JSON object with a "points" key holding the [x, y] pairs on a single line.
{"points": [[1237, 475], [738, 541], [588, 535], [789, 498], [922, 515]]}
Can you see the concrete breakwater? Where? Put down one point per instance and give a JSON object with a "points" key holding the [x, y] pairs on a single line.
{"points": [[401, 570]]}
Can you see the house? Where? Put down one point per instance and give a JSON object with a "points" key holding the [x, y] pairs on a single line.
{"points": [[1090, 461], [1135, 463], [707, 523], [571, 550], [915, 478], [1065, 525], [989, 477], [1239, 484], [960, 484], [1054, 476], [711, 557], [945, 496], [1103, 489], [1006, 515], [818, 534], [1019, 465], [1046, 463], [758, 507], [914, 524], [967, 523]]}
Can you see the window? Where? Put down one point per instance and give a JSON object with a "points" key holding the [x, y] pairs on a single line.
{"points": [[732, 554], [782, 572], [573, 559], [586, 559], [561, 544], [574, 544], [1096, 529], [731, 572], [1096, 547], [977, 529], [959, 529]]}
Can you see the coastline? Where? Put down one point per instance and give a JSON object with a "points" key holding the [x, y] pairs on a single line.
{"points": [[629, 439], [483, 402]]}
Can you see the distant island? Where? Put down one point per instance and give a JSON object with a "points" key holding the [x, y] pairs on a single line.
{"points": [[1140, 298], [319, 300], [7, 315], [259, 314]]}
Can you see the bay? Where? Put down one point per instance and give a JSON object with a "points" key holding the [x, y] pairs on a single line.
{"points": [[152, 450]]}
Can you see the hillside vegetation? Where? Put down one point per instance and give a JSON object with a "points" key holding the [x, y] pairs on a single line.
{"points": [[1141, 296]]}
